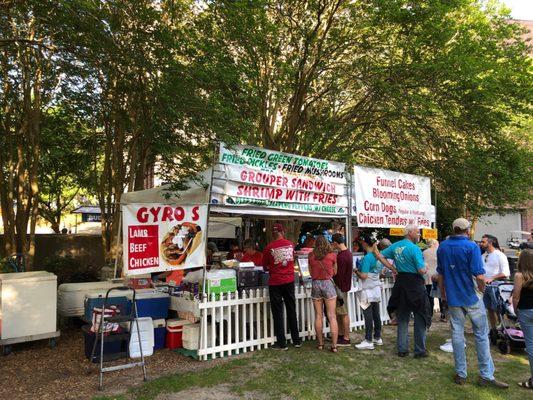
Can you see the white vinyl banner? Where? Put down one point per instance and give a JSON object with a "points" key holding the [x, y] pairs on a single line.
{"points": [[160, 237], [387, 199], [266, 178]]}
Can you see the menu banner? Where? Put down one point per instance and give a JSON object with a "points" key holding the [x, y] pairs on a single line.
{"points": [[283, 163], [237, 189], [160, 237], [387, 199], [266, 178], [281, 180]]}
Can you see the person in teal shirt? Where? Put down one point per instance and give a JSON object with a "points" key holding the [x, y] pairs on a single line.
{"points": [[369, 296], [409, 292], [407, 255], [369, 264]]}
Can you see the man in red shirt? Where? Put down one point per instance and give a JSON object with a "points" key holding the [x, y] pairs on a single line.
{"points": [[251, 254], [278, 260]]}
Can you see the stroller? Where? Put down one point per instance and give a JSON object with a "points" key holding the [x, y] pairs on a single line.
{"points": [[508, 334]]}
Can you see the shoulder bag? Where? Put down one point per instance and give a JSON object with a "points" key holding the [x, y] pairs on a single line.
{"points": [[340, 300]]}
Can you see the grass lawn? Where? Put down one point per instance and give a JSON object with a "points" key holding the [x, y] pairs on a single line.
{"points": [[307, 373]]}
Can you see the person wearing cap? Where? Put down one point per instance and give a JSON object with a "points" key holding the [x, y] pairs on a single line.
{"points": [[409, 292], [278, 260], [458, 263]]}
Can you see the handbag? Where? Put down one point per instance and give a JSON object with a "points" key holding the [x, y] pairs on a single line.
{"points": [[340, 300]]}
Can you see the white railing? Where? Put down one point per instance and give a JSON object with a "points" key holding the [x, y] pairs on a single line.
{"points": [[237, 323]]}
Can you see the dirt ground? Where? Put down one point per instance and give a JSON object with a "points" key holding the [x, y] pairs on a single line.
{"points": [[34, 371]]}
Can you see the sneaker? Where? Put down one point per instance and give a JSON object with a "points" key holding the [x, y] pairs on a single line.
{"points": [[378, 342], [277, 346], [448, 347], [494, 383], [365, 345], [343, 342], [424, 354], [459, 380], [298, 344]]}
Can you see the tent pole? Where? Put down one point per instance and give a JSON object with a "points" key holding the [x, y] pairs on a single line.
{"points": [[210, 194], [435, 191], [349, 213], [118, 243]]}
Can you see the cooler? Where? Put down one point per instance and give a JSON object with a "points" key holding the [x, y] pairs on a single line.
{"points": [[174, 339], [110, 346], [146, 329], [71, 296], [248, 277], [160, 333], [191, 337], [96, 300], [221, 281], [151, 304], [28, 305]]}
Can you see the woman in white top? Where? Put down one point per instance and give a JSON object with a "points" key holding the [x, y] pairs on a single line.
{"points": [[430, 262]]}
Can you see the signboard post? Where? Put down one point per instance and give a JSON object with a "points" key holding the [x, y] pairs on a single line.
{"points": [[387, 199], [161, 237]]}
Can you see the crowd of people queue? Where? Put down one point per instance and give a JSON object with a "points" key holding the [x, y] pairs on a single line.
{"points": [[456, 272]]}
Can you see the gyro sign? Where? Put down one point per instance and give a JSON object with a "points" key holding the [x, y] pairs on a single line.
{"points": [[266, 178], [159, 237]]}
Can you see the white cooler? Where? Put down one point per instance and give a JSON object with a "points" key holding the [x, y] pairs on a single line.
{"points": [[28, 305], [71, 296], [146, 328]]}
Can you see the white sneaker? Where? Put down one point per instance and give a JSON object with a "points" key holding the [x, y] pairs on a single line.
{"points": [[365, 345], [378, 342], [448, 347]]}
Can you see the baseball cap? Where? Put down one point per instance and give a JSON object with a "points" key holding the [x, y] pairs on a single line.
{"points": [[277, 228], [461, 223]]}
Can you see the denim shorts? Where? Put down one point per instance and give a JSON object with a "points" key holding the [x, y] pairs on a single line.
{"points": [[489, 298], [323, 289]]}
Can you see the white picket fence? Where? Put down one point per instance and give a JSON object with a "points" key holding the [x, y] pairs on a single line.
{"points": [[237, 323]]}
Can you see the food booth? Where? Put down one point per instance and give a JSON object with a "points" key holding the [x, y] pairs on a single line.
{"points": [[168, 231]]}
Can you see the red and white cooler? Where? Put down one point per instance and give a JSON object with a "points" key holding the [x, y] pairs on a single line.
{"points": [[174, 339]]}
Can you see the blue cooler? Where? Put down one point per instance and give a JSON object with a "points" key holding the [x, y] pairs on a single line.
{"points": [[111, 346], [96, 299], [160, 333], [152, 304]]}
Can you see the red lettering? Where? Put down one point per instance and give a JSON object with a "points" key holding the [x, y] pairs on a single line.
{"points": [[179, 213], [167, 214], [155, 212], [142, 215], [195, 213]]}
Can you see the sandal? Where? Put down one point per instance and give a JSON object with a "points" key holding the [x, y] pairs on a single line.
{"points": [[334, 349], [527, 384], [320, 347]]}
